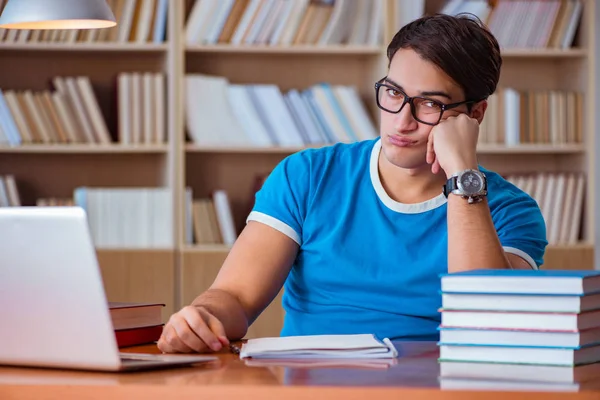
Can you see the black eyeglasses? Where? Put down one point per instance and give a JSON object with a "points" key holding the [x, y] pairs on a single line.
{"points": [[427, 111]]}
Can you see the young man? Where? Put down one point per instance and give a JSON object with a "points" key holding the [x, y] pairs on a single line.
{"points": [[359, 233]]}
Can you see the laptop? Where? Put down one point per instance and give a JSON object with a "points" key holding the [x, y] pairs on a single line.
{"points": [[53, 308]]}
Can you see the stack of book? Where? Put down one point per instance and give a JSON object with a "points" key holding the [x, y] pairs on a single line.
{"points": [[520, 326], [136, 323]]}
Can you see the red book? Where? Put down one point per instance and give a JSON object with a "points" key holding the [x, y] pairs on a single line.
{"points": [[137, 336]]}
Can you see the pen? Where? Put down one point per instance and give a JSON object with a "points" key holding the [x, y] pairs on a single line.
{"points": [[234, 349]]}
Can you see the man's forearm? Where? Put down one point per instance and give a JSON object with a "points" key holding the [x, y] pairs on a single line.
{"points": [[227, 309], [472, 239]]}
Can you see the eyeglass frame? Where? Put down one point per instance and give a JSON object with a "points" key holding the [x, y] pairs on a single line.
{"points": [[410, 99]]}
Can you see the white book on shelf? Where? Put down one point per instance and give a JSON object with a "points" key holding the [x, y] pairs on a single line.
{"points": [[271, 100], [3, 138], [65, 115], [576, 212], [219, 18], [210, 121], [245, 112], [37, 118], [350, 101], [245, 21], [148, 111], [305, 118], [199, 20], [329, 114], [512, 116], [79, 109], [126, 22], [271, 21], [362, 17], [558, 209], [548, 202], [44, 114], [4, 201], [160, 21], [338, 26], [284, 20], [144, 21], [225, 217], [12, 191], [160, 108], [317, 116], [261, 112], [8, 123], [567, 215], [567, 39], [297, 119], [407, 11], [137, 96], [124, 108], [291, 28], [259, 21], [93, 111]]}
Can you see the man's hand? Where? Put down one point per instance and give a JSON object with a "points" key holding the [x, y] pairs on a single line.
{"points": [[452, 145], [193, 329]]}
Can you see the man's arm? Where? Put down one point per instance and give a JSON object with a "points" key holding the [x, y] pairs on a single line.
{"points": [[250, 278], [472, 239]]}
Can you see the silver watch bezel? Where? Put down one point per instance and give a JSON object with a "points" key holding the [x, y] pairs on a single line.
{"points": [[460, 191]]}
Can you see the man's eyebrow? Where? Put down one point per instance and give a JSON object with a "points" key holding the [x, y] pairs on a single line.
{"points": [[426, 93]]}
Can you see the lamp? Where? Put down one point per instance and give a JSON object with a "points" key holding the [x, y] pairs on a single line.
{"points": [[57, 14]]}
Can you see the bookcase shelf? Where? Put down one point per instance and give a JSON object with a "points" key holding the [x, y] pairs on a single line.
{"points": [[86, 47], [84, 149], [283, 50], [543, 53], [175, 276]]}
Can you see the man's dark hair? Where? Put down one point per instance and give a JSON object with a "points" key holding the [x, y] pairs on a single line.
{"points": [[460, 45]]}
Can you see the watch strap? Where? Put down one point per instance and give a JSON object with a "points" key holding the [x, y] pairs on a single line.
{"points": [[451, 184]]}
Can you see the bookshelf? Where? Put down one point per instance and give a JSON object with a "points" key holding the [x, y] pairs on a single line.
{"points": [[177, 273]]}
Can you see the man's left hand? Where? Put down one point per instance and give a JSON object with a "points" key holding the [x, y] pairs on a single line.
{"points": [[452, 145]]}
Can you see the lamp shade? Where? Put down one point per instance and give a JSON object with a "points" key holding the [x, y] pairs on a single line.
{"points": [[57, 14]]}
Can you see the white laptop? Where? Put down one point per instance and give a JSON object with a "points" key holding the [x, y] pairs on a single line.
{"points": [[53, 308]]}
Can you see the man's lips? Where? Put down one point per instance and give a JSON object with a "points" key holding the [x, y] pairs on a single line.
{"points": [[401, 141]]}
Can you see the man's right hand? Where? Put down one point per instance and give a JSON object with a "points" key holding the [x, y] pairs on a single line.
{"points": [[192, 329]]}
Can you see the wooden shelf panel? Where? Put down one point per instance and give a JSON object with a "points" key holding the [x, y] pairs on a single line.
{"points": [[86, 47], [206, 248], [531, 149], [482, 149], [84, 149], [543, 53], [303, 50]]}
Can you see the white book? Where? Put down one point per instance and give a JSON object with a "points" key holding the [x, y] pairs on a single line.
{"points": [[284, 20], [521, 355], [160, 21], [319, 346], [219, 18], [160, 109], [512, 116], [225, 217], [124, 100], [291, 28], [271, 100], [126, 21], [508, 337], [148, 111], [516, 302], [144, 24], [259, 22], [245, 21], [244, 110], [544, 375], [520, 320]]}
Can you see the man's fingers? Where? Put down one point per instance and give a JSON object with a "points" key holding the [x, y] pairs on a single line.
{"points": [[430, 157], [199, 324], [218, 329], [186, 319], [170, 342]]}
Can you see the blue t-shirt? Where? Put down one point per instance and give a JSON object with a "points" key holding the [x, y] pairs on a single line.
{"points": [[366, 263]]}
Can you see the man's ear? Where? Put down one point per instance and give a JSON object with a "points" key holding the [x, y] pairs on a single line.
{"points": [[478, 110]]}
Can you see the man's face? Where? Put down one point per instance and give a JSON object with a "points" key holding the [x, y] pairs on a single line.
{"points": [[403, 138]]}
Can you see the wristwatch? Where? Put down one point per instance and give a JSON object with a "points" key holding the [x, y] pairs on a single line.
{"points": [[470, 184]]}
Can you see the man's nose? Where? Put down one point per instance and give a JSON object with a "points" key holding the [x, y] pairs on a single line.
{"points": [[404, 120]]}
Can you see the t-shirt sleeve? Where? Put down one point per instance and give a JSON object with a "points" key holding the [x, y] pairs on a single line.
{"points": [[520, 225], [282, 200]]}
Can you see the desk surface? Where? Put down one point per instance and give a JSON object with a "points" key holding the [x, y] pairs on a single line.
{"points": [[414, 374]]}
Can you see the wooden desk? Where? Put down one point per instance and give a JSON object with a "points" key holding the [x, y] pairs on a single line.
{"points": [[414, 375]]}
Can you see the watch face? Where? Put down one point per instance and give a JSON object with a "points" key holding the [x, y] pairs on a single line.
{"points": [[470, 183]]}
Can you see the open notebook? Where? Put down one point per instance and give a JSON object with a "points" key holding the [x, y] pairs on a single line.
{"points": [[319, 346]]}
